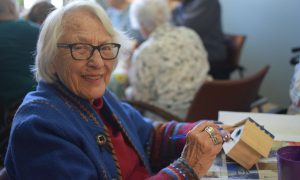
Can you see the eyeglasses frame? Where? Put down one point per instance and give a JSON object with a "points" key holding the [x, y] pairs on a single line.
{"points": [[70, 46]]}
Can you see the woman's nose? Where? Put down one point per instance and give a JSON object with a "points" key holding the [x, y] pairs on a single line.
{"points": [[96, 59]]}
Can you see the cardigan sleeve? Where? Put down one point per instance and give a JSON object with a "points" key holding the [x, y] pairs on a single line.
{"points": [[165, 152], [163, 149], [40, 150]]}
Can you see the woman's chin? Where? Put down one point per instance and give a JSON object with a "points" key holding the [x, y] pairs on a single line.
{"points": [[92, 94], [96, 94]]}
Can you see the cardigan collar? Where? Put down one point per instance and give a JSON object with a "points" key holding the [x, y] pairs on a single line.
{"points": [[88, 113]]}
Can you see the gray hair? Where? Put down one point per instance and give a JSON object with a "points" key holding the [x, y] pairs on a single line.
{"points": [[52, 30], [149, 13], [4, 5]]}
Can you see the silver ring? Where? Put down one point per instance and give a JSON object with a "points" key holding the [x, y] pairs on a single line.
{"points": [[225, 138]]}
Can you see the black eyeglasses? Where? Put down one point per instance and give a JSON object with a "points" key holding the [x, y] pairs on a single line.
{"points": [[83, 51]]}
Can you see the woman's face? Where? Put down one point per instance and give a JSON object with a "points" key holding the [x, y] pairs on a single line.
{"points": [[86, 78]]}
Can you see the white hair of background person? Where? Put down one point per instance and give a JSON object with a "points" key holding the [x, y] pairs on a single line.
{"points": [[149, 14], [9, 7], [52, 30]]}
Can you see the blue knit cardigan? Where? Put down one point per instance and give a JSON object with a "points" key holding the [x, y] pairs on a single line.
{"points": [[55, 135]]}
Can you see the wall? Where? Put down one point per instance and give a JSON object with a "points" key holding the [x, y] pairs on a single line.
{"points": [[272, 28]]}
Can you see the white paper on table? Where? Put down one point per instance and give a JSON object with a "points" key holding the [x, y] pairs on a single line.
{"points": [[283, 127]]}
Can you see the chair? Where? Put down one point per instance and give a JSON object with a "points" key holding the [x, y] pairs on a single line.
{"points": [[227, 95], [213, 96], [234, 44], [145, 107]]}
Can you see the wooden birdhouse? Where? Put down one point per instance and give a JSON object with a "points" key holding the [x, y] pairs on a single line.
{"points": [[250, 142]]}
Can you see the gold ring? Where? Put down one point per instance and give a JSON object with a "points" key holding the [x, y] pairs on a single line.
{"points": [[214, 140], [209, 130]]}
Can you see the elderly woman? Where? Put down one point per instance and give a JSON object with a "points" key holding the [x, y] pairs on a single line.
{"points": [[171, 65], [72, 127]]}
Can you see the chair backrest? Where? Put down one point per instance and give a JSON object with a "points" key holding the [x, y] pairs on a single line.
{"points": [[144, 107], [234, 44], [228, 95]]}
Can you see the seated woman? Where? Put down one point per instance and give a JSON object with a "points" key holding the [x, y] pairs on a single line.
{"points": [[171, 65], [72, 127]]}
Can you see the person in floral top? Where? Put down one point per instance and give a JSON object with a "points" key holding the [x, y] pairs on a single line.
{"points": [[171, 65]]}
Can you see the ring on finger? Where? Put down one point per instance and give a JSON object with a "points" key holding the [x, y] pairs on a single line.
{"points": [[225, 138], [214, 140], [209, 130]]}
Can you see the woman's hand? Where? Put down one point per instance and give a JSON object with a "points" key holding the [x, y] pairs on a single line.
{"points": [[203, 143]]}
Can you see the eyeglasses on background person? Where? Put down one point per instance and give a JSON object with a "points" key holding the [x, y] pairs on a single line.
{"points": [[83, 51]]}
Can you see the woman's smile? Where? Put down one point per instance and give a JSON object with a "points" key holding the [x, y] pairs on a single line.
{"points": [[92, 77]]}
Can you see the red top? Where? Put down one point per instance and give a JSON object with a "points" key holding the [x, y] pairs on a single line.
{"points": [[130, 164]]}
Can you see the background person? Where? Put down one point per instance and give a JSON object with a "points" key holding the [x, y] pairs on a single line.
{"points": [[72, 127], [39, 11], [118, 12], [204, 16], [171, 65], [18, 44]]}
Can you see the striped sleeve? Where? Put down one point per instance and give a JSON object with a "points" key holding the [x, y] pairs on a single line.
{"points": [[178, 170], [164, 150]]}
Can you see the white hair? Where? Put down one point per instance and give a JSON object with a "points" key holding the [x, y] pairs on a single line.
{"points": [[149, 13], [5, 4], [52, 30]]}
